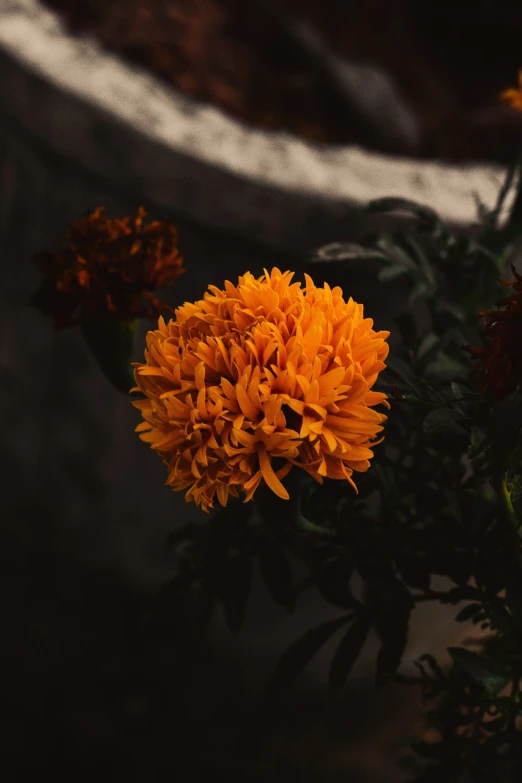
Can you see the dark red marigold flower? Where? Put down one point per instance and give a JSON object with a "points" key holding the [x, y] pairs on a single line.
{"points": [[109, 265], [500, 368]]}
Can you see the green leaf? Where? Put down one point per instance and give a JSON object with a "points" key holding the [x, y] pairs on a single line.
{"points": [[469, 611], [407, 327], [445, 368], [439, 419], [311, 527], [403, 371], [498, 724], [392, 272], [276, 573], [421, 258], [346, 655], [348, 251], [452, 308], [395, 252], [514, 601], [333, 580], [434, 667], [420, 289], [111, 341], [453, 508], [394, 636], [296, 658], [492, 675], [389, 603], [428, 346], [461, 593], [414, 570], [392, 204], [492, 219], [478, 443], [458, 390], [232, 581]]}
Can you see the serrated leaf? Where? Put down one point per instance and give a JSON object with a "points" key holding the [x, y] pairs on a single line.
{"points": [[296, 658], [276, 573], [347, 653], [492, 675]]}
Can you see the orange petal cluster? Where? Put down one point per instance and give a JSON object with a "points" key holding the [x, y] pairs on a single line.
{"points": [[500, 368], [513, 95], [109, 265], [257, 378]]}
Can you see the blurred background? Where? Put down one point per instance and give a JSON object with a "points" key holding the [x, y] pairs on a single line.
{"points": [[268, 63], [86, 518]]}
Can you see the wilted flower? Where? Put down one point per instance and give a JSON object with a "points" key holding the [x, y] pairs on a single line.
{"points": [[513, 95], [109, 265], [500, 367], [257, 378]]}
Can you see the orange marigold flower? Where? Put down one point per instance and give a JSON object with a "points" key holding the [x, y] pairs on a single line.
{"points": [[500, 368], [109, 265], [513, 95], [257, 378]]}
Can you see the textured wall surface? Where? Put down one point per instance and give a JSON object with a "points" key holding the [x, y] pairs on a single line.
{"points": [[279, 190]]}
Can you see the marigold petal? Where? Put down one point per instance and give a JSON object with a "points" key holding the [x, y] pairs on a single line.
{"points": [[270, 477], [245, 403]]}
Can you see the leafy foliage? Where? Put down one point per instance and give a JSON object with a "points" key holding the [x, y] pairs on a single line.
{"points": [[443, 497]]}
